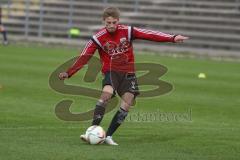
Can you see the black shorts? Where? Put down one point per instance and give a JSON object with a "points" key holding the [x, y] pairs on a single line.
{"points": [[121, 82]]}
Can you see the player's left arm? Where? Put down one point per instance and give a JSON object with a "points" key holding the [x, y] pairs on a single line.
{"points": [[146, 34]]}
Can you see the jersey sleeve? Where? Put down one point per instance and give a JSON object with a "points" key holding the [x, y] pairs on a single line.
{"points": [[151, 35], [83, 58]]}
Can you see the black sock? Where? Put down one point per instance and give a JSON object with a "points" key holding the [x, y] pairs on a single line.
{"points": [[116, 121], [98, 114], [4, 35]]}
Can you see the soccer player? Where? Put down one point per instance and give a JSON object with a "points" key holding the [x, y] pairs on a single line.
{"points": [[114, 45], [2, 29]]}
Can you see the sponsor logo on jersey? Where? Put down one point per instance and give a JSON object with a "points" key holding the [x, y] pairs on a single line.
{"points": [[112, 48]]}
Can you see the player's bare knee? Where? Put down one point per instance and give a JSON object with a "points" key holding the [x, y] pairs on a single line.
{"points": [[127, 100], [106, 94], [108, 89], [105, 97], [126, 105]]}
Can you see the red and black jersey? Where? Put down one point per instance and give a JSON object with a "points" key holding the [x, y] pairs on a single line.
{"points": [[116, 49]]}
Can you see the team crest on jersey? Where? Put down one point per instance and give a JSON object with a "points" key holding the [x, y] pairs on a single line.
{"points": [[123, 39], [112, 48]]}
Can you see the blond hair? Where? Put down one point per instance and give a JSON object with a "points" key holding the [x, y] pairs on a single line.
{"points": [[111, 12]]}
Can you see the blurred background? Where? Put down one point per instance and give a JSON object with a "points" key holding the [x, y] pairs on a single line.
{"points": [[212, 25]]}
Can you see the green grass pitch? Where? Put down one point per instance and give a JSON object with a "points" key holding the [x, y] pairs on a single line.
{"points": [[30, 130]]}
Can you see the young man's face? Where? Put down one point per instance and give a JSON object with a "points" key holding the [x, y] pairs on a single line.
{"points": [[111, 24]]}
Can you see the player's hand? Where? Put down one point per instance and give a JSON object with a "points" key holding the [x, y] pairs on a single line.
{"points": [[63, 75], [180, 38]]}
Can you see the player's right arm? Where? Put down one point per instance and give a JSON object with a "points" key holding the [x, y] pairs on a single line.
{"points": [[84, 57]]}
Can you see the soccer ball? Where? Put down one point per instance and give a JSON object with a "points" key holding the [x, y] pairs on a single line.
{"points": [[95, 135]]}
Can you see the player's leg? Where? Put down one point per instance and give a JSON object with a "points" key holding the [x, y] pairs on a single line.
{"points": [[121, 114], [119, 117], [100, 107], [101, 104], [128, 91], [107, 93], [127, 101]]}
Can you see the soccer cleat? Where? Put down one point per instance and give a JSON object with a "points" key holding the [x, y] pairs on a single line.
{"points": [[109, 140], [84, 138]]}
